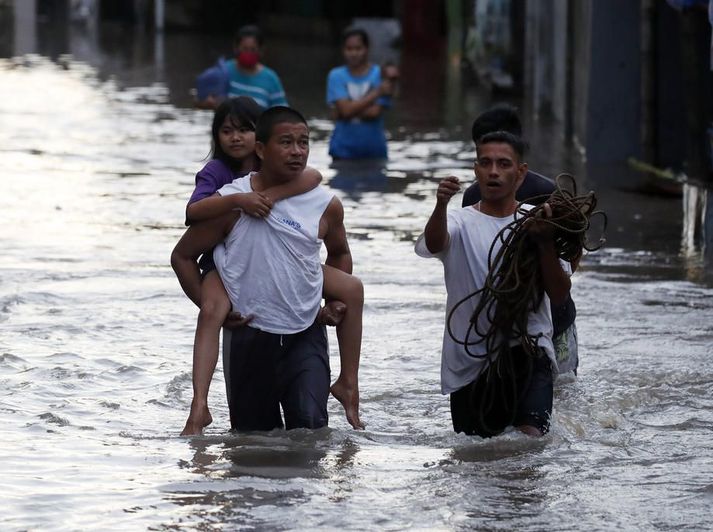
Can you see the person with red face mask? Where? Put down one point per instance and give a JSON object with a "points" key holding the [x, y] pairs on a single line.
{"points": [[245, 75]]}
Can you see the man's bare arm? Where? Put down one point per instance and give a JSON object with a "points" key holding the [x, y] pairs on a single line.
{"points": [[556, 282], [198, 239]]}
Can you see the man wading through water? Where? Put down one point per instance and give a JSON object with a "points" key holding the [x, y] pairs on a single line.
{"points": [[535, 189], [271, 271], [484, 403]]}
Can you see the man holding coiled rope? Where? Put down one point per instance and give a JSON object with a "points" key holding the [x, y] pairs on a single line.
{"points": [[493, 376], [535, 190]]}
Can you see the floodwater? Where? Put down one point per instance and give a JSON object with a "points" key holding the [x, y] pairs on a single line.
{"points": [[99, 147]]}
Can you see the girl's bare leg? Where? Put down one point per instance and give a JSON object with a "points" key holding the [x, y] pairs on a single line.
{"points": [[348, 289], [215, 306]]}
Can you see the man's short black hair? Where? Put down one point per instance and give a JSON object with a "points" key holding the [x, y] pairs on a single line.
{"points": [[273, 116], [501, 117], [516, 142]]}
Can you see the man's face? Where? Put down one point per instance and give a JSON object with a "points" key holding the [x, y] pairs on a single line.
{"points": [[355, 52], [285, 153], [499, 171]]}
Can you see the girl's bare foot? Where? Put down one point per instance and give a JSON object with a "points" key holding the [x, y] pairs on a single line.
{"points": [[349, 397], [198, 419]]}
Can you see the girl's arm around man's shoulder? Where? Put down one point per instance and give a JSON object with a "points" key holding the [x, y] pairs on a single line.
{"points": [[310, 179]]}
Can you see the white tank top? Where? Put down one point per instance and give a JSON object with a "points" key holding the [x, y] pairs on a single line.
{"points": [[271, 267]]}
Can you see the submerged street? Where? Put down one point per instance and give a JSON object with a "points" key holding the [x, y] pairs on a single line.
{"points": [[100, 153]]}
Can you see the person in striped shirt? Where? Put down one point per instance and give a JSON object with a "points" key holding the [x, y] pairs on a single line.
{"points": [[245, 75]]}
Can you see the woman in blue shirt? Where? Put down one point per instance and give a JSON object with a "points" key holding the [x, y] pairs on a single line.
{"points": [[358, 96]]}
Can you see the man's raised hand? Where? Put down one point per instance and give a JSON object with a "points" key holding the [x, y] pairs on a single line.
{"points": [[447, 188]]}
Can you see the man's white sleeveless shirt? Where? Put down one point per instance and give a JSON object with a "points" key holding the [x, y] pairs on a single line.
{"points": [[271, 267]]}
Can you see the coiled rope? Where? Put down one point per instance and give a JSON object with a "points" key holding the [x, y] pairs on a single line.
{"points": [[514, 284]]}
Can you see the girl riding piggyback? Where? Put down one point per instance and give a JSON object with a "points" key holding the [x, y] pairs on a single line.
{"points": [[233, 156]]}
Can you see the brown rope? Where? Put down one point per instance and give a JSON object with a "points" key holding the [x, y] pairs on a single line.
{"points": [[514, 286]]}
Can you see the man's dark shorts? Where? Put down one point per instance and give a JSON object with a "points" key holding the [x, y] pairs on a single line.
{"points": [[265, 370], [486, 406]]}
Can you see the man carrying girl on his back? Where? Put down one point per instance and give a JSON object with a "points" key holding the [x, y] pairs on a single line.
{"points": [[233, 156]]}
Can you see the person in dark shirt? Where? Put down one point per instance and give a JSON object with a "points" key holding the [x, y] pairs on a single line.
{"points": [[503, 117], [535, 188]]}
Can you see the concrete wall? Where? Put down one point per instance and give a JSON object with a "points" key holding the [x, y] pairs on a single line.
{"points": [[25, 25], [582, 67], [670, 135], [546, 57], [580, 40], [613, 102]]}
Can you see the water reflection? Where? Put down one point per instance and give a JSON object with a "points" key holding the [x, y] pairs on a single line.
{"points": [[277, 454], [355, 177], [237, 474]]}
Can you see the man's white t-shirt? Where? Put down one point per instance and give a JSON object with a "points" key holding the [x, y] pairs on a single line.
{"points": [[465, 264]]}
